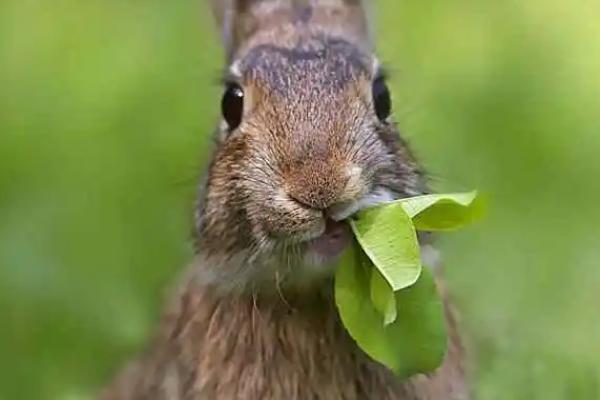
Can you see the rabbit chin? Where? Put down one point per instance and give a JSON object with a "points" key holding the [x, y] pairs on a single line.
{"points": [[300, 267]]}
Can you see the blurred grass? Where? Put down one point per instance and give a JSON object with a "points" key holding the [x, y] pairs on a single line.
{"points": [[105, 113]]}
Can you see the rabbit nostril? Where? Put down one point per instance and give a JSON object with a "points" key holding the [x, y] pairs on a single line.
{"points": [[299, 201], [307, 201], [335, 211]]}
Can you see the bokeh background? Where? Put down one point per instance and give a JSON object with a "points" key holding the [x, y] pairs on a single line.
{"points": [[106, 108]]}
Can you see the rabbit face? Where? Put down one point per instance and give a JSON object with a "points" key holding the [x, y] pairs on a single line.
{"points": [[306, 141]]}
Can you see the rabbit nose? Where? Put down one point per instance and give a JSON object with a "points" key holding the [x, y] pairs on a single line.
{"points": [[316, 184], [324, 186], [319, 199]]}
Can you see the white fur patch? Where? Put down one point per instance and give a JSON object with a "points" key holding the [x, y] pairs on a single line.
{"points": [[378, 196], [430, 257]]}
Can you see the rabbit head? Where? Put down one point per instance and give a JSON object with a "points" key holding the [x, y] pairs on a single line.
{"points": [[305, 141]]}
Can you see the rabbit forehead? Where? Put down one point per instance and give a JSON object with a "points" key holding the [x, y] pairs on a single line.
{"points": [[316, 62]]}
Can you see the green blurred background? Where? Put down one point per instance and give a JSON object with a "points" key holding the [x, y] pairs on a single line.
{"points": [[106, 109]]}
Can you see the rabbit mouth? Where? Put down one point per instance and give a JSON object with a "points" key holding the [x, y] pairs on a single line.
{"points": [[334, 240], [337, 235]]}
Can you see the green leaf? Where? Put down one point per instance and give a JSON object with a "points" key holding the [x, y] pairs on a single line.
{"points": [[388, 237], [415, 342], [383, 298], [441, 212], [386, 300]]}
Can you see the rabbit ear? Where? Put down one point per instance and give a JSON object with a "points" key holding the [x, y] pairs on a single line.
{"points": [[238, 19], [354, 14]]}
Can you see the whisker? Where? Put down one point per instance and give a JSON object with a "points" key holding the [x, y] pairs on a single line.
{"points": [[280, 292]]}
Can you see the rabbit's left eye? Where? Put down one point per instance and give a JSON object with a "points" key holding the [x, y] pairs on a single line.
{"points": [[232, 105], [381, 99]]}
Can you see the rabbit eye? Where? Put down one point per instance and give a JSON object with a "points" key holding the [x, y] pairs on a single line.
{"points": [[232, 105], [381, 99]]}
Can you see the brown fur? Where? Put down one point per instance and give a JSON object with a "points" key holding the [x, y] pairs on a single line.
{"points": [[240, 347], [255, 318]]}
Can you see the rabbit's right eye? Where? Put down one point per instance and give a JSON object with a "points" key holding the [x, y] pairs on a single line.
{"points": [[232, 105], [381, 99]]}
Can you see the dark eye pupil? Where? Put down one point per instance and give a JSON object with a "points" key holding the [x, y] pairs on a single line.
{"points": [[381, 99], [232, 105]]}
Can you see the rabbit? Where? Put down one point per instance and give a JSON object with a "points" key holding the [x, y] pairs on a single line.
{"points": [[306, 140]]}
